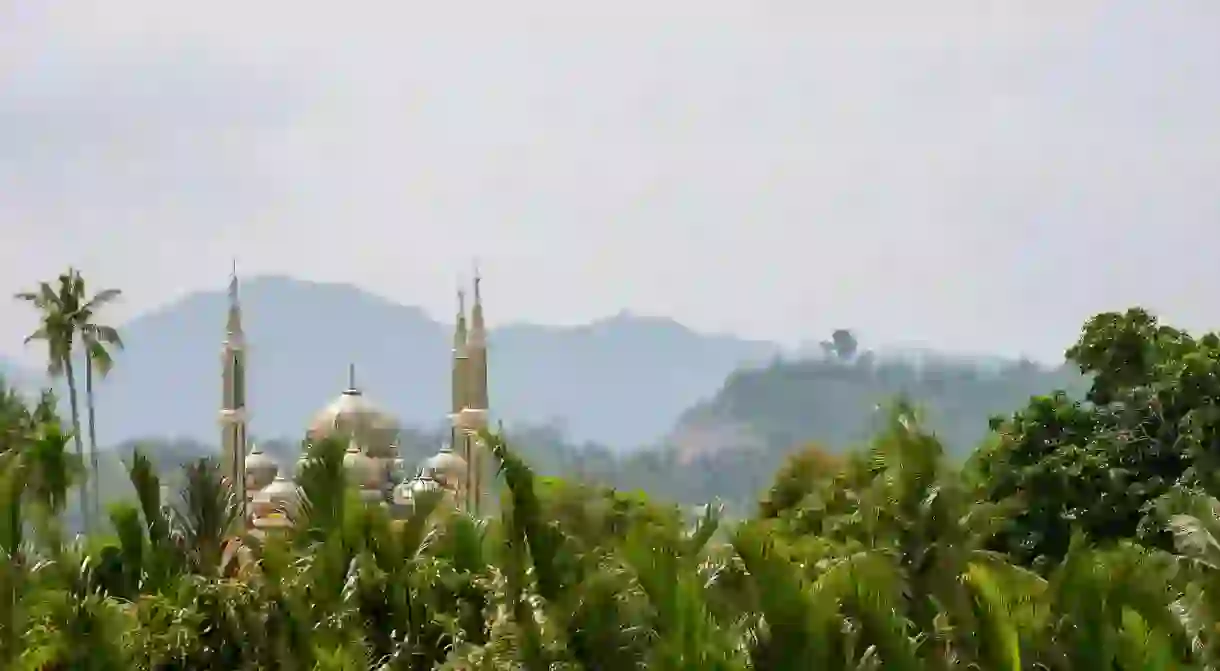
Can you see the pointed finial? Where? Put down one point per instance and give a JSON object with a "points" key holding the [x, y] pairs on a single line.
{"points": [[233, 325], [478, 330], [477, 278], [461, 293]]}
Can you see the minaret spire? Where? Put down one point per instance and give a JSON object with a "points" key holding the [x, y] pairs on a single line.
{"points": [[233, 325], [459, 329], [477, 379], [233, 417], [477, 346], [460, 380], [478, 330]]}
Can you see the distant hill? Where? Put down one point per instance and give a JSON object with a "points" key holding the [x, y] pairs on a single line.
{"points": [[834, 403], [622, 381]]}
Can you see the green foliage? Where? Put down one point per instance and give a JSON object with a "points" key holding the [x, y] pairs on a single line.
{"points": [[1084, 535], [1149, 427]]}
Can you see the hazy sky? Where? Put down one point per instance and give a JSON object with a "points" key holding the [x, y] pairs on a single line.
{"points": [[978, 175]]}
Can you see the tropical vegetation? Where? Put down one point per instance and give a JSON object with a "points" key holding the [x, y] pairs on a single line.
{"points": [[1083, 534]]}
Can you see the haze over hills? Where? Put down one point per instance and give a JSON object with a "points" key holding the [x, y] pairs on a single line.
{"points": [[621, 381]]}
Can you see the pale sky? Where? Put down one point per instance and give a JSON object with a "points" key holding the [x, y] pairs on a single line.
{"points": [[976, 175]]}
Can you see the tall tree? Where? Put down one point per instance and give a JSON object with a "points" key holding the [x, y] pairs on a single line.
{"points": [[65, 315], [57, 305], [98, 340]]}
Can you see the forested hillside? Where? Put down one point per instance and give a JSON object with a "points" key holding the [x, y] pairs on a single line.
{"points": [[833, 401]]}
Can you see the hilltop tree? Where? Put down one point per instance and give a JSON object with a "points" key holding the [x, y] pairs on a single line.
{"points": [[842, 345]]}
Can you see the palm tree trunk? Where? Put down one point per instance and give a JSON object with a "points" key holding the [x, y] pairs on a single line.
{"points": [[80, 446], [96, 499]]}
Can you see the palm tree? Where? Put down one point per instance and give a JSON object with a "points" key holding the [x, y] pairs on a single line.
{"points": [[97, 339], [57, 308], [66, 313]]}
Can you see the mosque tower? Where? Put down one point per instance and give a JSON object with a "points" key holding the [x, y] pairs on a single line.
{"points": [[476, 347], [233, 417], [460, 382]]}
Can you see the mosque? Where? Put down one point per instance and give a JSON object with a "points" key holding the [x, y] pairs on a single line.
{"points": [[371, 461]]}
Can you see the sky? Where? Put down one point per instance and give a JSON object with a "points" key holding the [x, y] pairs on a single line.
{"points": [[974, 175]]}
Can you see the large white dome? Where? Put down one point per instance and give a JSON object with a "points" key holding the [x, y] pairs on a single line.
{"points": [[352, 416]]}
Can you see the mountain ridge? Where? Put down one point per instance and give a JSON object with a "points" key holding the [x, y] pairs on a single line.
{"points": [[621, 380]]}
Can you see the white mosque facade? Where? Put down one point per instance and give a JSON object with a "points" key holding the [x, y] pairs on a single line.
{"points": [[371, 460]]}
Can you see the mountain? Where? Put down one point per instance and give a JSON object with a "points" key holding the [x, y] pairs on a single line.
{"points": [[622, 381]]}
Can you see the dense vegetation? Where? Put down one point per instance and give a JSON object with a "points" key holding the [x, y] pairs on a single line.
{"points": [[1084, 534]]}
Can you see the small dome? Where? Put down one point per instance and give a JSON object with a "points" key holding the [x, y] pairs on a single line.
{"points": [[353, 415], [425, 484], [449, 469], [260, 469], [362, 470], [281, 497]]}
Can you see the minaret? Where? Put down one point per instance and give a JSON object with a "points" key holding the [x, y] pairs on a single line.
{"points": [[233, 417], [476, 347], [460, 380]]}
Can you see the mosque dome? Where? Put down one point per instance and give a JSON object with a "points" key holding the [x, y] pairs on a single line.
{"points": [[260, 469], [425, 484], [447, 468], [353, 415], [362, 470], [278, 499]]}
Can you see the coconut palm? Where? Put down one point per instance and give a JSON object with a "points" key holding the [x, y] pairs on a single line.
{"points": [[58, 306], [98, 341]]}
